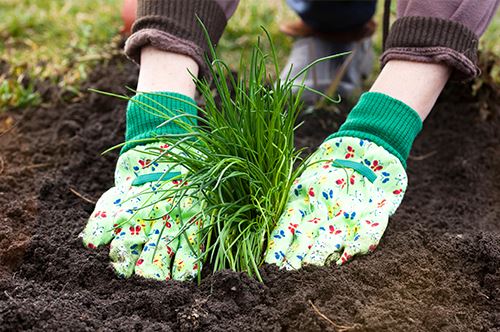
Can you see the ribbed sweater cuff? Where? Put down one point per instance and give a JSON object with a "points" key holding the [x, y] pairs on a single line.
{"points": [[171, 26], [385, 121], [432, 39], [147, 111]]}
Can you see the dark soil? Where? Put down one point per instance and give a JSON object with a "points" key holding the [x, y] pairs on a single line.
{"points": [[437, 268]]}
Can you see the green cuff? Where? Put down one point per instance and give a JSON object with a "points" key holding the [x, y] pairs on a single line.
{"points": [[385, 121], [147, 111]]}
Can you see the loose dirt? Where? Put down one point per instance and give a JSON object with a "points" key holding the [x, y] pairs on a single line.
{"points": [[437, 268]]}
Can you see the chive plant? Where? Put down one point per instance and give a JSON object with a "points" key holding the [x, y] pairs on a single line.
{"points": [[240, 159]]}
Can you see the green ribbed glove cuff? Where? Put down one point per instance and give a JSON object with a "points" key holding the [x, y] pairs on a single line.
{"points": [[385, 121], [146, 111]]}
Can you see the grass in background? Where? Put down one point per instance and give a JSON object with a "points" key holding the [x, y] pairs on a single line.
{"points": [[52, 40], [490, 54], [489, 41], [245, 25], [59, 41]]}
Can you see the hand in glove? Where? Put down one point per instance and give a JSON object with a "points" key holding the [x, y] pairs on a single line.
{"points": [[151, 233], [340, 206]]}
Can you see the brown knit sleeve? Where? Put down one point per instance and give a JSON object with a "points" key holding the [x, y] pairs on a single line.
{"points": [[438, 31], [171, 26]]}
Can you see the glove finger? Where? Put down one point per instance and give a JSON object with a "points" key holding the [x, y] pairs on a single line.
{"points": [[304, 238], [156, 257], [100, 226], [298, 205], [328, 245], [307, 231], [317, 194], [282, 236], [370, 231], [187, 264], [103, 224], [127, 244]]}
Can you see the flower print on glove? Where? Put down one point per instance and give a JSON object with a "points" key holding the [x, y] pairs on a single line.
{"points": [[150, 234], [340, 206]]}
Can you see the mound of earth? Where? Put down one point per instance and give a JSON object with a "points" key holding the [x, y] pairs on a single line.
{"points": [[437, 268]]}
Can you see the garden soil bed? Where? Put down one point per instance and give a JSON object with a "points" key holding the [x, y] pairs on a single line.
{"points": [[437, 268]]}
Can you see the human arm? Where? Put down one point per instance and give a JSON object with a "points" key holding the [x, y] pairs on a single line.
{"points": [[340, 206], [151, 233]]}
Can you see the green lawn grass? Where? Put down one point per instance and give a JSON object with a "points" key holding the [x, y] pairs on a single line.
{"points": [[246, 26], [53, 40], [59, 41]]}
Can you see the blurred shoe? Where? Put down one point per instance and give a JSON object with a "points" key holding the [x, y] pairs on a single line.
{"points": [[312, 44], [308, 49]]}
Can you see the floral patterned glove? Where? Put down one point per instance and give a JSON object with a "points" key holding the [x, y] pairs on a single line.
{"points": [[340, 205], [151, 234]]}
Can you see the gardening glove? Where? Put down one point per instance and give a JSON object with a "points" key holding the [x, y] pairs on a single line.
{"points": [[150, 232], [340, 206]]}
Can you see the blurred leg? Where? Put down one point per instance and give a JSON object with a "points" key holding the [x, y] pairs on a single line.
{"points": [[334, 16], [327, 28]]}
